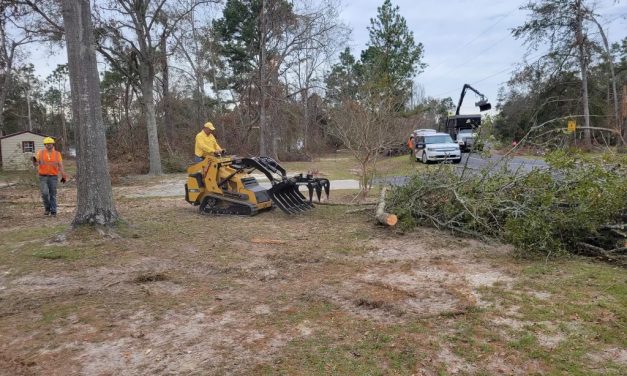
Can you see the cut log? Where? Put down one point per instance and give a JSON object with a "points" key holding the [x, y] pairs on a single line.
{"points": [[381, 216]]}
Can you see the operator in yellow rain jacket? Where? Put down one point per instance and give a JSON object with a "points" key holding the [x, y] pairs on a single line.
{"points": [[206, 143]]}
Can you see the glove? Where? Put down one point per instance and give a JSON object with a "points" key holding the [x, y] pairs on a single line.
{"points": [[63, 179]]}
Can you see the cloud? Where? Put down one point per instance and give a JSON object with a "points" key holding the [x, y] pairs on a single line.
{"points": [[465, 41]]}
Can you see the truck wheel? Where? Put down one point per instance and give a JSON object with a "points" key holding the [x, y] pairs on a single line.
{"points": [[424, 158], [457, 161]]}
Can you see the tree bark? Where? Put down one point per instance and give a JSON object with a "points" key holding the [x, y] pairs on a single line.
{"points": [[583, 64], [381, 216], [623, 147], [610, 61], [263, 121], [66, 142], [147, 57], [94, 196], [30, 120], [167, 109], [147, 76], [6, 86]]}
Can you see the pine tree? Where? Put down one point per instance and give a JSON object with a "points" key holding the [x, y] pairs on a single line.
{"points": [[392, 58]]}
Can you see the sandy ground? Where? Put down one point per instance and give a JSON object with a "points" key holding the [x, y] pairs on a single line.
{"points": [[178, 293], [174, 187]]}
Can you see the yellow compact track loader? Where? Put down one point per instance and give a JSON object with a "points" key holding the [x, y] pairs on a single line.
{"points": [[224, 185]]}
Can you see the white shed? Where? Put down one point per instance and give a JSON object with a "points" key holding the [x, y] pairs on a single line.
{"points": [[17, 149]]}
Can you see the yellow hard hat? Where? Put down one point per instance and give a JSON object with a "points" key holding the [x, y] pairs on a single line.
{"points": [[210, 126], [48, 140]]}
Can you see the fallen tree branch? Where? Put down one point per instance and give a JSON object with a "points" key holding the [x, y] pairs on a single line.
{"points": [[381, 216], [344, 204], [594, 251], [621, 250]]}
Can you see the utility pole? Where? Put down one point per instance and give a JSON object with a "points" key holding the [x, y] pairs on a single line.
{"points": [[622, 142], [30, 122]]}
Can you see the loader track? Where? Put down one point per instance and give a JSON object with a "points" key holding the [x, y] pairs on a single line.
{"points": [[213, 204]]}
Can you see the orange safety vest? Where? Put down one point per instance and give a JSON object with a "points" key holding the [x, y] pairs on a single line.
{"points": [[48, 162], [410, 143]]}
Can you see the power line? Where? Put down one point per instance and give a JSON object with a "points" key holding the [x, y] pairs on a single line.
{"points": [[506, 70], [476, 55], [481, 33]]}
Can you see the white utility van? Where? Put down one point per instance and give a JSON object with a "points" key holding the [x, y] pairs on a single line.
{"points": [[433, 146]]}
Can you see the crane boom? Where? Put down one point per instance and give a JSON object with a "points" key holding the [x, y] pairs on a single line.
{"points": [[483, 103]]}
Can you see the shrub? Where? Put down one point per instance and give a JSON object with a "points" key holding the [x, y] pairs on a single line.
{"points": [[175, 162]]}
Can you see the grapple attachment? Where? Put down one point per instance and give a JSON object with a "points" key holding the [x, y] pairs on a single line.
{"points": [[285, 192]]}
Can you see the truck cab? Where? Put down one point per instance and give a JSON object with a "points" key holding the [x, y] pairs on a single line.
{"points": [[462, 128]]}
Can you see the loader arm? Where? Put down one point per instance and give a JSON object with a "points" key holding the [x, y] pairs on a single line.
{"points": [[483, 103], [284, 192]]}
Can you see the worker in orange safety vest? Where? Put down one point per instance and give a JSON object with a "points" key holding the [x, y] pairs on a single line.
{"points": [[49, 164]]}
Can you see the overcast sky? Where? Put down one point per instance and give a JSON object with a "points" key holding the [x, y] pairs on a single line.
{"points": [[466, 41]]}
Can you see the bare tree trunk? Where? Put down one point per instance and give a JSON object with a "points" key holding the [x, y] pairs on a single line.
{"points": [[263, 121], [30, 121], [610, 61], [94, 196], [623, 147], [167, 108], [583, 64], [8, 51], [147, 75], [305, 118], [201, 114], [6, 86], [66, 142]]}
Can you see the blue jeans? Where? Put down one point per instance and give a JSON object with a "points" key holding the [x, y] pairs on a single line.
{"points": [[48, 186]]}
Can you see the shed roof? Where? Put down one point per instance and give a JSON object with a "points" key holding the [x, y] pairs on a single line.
{"points": [[22, 132]]}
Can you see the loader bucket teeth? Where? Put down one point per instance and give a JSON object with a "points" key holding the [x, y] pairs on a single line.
{"points": [[286, 196], [310, 188], [285, 193]]}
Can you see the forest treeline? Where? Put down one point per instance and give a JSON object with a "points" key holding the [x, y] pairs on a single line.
{"points": [[277, 79]]}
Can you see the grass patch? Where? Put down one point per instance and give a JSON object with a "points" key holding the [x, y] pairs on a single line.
{"points": [[582, 311], [295, 293], [401, 165], [59, 253], [31, 233], [348, 346], [53, 312], [335, 166], [344, 166]]}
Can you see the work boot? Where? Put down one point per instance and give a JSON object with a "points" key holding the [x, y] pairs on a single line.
{"points": [[53, 214], [47, 212]]}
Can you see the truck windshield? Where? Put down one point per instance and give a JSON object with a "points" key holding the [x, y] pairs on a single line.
{"points": [[440, 139]]}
